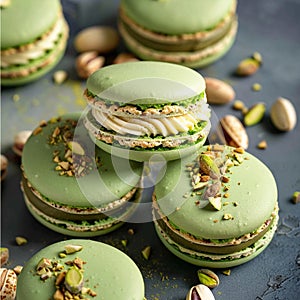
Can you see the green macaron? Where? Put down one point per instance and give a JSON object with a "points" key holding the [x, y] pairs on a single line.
{"points": [[217, 208], [73, 187], [141, 109], [82, 268], [192, 33], [32, 43]]}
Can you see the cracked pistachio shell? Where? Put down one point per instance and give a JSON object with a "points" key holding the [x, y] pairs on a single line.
{"points": [[8, 284], [200, 292], [283, 114], [208, 278]]}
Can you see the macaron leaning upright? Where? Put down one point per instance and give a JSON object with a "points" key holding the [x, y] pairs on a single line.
{"points": [[80, 269], [73, 187], [217, 208], [139, 110], [33, 39], [193, 33]]}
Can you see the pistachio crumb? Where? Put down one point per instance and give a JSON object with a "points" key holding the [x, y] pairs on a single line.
{"points": [[238, 105], [146, 252], [124, 243], [226, 195], [21, 240], [256, 87], [228, 217], [262, 145], [215, 221], [226, 272], [296, 197], [130, 231]]}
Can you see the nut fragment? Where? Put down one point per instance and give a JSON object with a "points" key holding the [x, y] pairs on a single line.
{"points": [[296, 197], [8, 284], [72, 248], [208, 278], [21, 240], [218, 91], [238, 105], [232, 132], [20, 140], [283, 114], [60, 76], [88, 62], [200, 292], [247, 67], [255, 114], [124, 57], [74, 280], [4, 254], [4, 164], [146, 252], [262, 145], [102, 39]]}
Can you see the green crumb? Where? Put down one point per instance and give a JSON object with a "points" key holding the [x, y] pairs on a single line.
{"points": [[227, 217], [146, 252], [296, 197], [21, 240], [256, 87], [16, 97], [124, 243], [226, 272]]}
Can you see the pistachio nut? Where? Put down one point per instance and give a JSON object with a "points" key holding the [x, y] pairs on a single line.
{"points": [[283, 114], [8, 284], [87, 63], [124, 57], [4, 164], [76, 148], [20, 140], [4, 254], [72, 248], [218, 91], [208, 278], [74, 280], [208, 166], [247, 67], [102, 39], [200, 292], [255, 114], [232, 132], [215, 203]]}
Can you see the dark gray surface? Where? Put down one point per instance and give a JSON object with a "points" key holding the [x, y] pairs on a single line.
{"points": [[271, 27]]}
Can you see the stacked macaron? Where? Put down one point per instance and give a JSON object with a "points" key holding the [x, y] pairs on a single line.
{"points": [[33, 39], [80, 269], [194, 33], [72, 187], [217, 208], [141, 109]]}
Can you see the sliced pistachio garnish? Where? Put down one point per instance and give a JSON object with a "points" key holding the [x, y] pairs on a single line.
{"points": [[21, 240], [76, 148], [43, 264], [146, 252], [200, 185], [208, 166], [215, 202], [208, 278], [72, 248], [74, 280], [255, 114]]}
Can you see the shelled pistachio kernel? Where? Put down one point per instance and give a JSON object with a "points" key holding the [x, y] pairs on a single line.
{"points": [[21, 240], [255, 114], [247, 67], [74, 280], [208, 278]]}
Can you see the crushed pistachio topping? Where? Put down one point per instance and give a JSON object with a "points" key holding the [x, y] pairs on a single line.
{"points": [[69, 277], [72, 159], [210, 174]]}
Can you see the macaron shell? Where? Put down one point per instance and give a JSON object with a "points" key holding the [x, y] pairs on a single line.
{"points": [[108, 271], [252, 187], [115, 177], [145, 83], [24, 21], [176, 17]]}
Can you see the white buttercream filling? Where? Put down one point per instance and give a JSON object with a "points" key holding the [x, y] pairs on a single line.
{"points": [[146, 126], [36, 49]]}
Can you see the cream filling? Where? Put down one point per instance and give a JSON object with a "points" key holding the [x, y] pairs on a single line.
{"points": [[146, 126], [35, 50]]}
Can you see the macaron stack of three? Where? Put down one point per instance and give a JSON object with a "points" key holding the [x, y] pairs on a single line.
{"points": [[193, 33], [147, 110], [33, 39]]}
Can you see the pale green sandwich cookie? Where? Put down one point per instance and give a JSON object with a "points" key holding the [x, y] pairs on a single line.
{"points": [[192, 33], [80, 268], [73, 187], [141, 109], [217, 208], [33, 39]]}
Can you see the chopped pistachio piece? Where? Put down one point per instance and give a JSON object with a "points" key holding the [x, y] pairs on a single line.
{"points": [[256, 87], [146, 252], [227, 217], [72, 248], [262, 145], [200, 185], [208, 166], [215, 202], [76, 148], [296, 197], [21, 240], [124, 242], [226, 272], [74, 280], [44, 263]]}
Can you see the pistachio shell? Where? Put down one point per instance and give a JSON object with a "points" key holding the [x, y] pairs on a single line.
{"points": [[218, 91], [208, 278], [4, 164], [201, 292], [102, 39], [20, 140], [232, 132], [283, 114], [4, 253], [8, 284]]}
